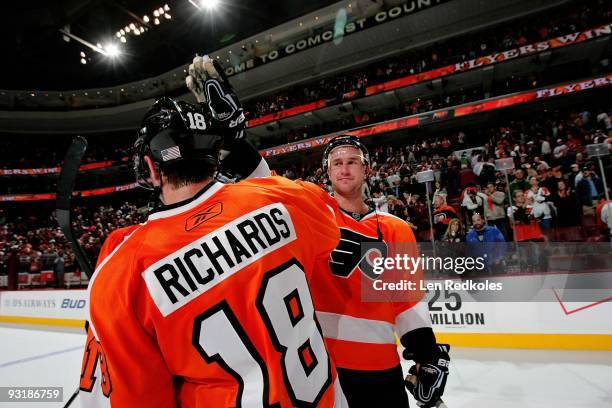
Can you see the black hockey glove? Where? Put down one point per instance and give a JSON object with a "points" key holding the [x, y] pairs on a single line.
{"points": [[238, 159], [349, 254], [207, 81], [427, 379]]}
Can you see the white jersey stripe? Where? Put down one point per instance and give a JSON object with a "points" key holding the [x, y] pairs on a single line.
{"points": [[343, 327], [413, 318]]}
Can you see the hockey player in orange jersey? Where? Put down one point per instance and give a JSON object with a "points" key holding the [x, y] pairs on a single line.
{"points": [[206, 304], [359, 334]]}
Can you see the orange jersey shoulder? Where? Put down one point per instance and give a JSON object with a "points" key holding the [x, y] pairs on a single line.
{"points": [[214, 291]]}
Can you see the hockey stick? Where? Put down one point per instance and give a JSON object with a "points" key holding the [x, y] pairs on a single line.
{"points": [[65, 187]]}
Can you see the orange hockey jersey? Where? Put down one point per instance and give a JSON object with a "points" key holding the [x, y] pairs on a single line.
{"points": [[206, 304], [360, 335]]}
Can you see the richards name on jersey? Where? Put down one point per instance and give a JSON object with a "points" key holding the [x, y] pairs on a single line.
{"points": [[197, 267]]}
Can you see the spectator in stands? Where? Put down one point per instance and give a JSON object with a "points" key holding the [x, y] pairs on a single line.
{"points": [[451, 177], [418, 212], [487, 172], [412, 223], [588, 187], [455, 232], [569, 212], [467, 177], [473, 202], [442, 215], [536, 198], [519, 182], [481, 232], [524, 227], [396, 188], [395, 206], [493, 250], [439, 189], [380, 201], [560, 153], [494, 212], [574, 172], [545, 149], [603, 216]]}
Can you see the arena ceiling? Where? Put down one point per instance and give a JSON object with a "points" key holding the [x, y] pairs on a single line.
{"points": [[39, 57]]}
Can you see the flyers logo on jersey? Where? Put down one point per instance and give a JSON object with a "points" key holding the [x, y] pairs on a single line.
{"points": [[353, 250], [203, 216]]}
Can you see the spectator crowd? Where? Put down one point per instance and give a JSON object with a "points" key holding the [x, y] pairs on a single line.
{"points": [[555, 187], [35, 243], [575, 17]]}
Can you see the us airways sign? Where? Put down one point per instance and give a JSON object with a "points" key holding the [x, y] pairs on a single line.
{"points": [[340, 29], [55, 304]]}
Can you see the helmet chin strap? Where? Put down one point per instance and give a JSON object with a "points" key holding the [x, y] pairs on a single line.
{"points": [[155, 201], [370, 199]]}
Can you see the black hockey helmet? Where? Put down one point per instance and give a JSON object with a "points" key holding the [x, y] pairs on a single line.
{"points": [[172, 131], [345, 140]]}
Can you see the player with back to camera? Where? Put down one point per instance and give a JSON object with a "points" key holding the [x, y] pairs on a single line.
{"points": [[360, 335], [207, 303]]}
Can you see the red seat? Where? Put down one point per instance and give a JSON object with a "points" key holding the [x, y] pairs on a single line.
{"points": [[47, 277], [35, 279], [23, 280]]}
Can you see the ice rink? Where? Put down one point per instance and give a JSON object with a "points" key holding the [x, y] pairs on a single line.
{"points": [[479, 377]]}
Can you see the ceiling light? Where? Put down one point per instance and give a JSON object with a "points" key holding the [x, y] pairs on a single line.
{"points": [[166, 7], [112, 50], [132, 26], [127, 29], [168, 16], [161, 10], [156, 13], [82, 54], [209, 4], [145, 19], [142, 30], [118, 34], [83, 61], [122, 32], [122, 39], [137, 32], [156, 21]]}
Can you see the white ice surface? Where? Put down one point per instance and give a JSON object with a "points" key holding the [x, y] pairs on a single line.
{"points": [[479, 377]]}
